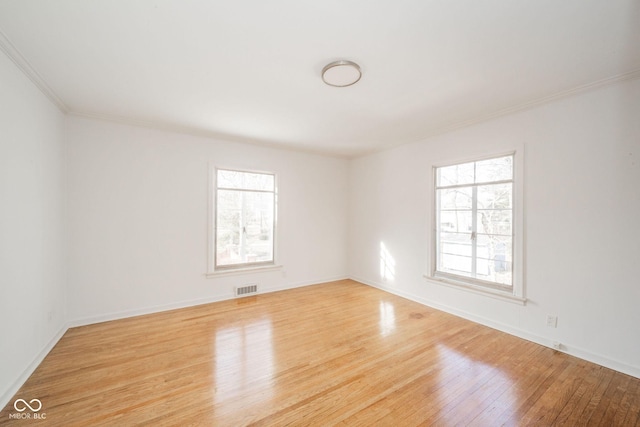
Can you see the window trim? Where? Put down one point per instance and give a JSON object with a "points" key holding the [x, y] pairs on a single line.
{"points": [[513, 293], [242, 271], [215, 270]]}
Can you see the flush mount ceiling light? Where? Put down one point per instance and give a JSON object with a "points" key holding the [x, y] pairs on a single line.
{"points": [[341, 73]]}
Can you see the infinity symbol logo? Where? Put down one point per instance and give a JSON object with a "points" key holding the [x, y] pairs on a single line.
{"points": [[26, 405]]}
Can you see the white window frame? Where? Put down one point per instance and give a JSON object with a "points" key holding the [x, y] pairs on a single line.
{"points": [[215, 270], [514, 293]]}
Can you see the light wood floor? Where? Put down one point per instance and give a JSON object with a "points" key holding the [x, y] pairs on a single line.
{"points": [[337, 353]]}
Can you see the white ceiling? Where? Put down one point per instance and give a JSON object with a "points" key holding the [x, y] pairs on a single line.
{"points": [[250, 70]]}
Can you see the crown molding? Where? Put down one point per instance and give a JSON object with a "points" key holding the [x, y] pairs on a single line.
{"points": [[14, 54], [631, 75], [203, 133], [554, 97]]}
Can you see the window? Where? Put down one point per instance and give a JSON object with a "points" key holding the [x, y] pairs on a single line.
{"points": [[474, 236], [244, 219]]}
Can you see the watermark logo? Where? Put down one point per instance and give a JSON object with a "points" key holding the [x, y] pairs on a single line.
{"points": [[21, 405]]}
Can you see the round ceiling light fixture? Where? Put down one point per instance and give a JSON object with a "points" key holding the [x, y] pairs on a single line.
{"points": [[341, 73]]}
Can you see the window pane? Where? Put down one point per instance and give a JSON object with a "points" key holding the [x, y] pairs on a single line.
{"points": [[495, 258], [495, 196], [499, 276], [258, 227], [456, 221], [455, 198], [244, 227], [455, 175], [455, 264], [495, 221], [505, 277], [456, 244], [228, 226], [490, 246], [499, 169], [245, 180]]}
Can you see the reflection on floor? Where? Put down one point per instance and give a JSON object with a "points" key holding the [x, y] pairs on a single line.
{"points": [[334, 353]]}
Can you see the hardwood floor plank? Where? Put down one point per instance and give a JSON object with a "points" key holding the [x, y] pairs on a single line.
{"points": [[488, 395], [338, 353], [602, 414], [500, 411], [589, 411], [633, 389], [555, 396], [632, 418]]}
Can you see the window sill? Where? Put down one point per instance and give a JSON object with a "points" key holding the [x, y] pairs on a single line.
{"points": [[239, 271], [476, 289]]}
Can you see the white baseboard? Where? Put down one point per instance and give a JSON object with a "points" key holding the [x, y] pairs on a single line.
{"points": [[188, 303], [24, 376], [578, 352], [302, 284], [145, 310]]}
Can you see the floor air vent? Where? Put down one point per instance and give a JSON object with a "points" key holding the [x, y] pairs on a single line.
{"points": [[246, 290]]}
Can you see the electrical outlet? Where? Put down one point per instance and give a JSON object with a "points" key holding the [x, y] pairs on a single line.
{"points": [[552, 321]]}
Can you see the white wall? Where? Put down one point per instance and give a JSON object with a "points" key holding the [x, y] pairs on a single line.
{"points": [[138, 203], [582, 243], [32, 281]]}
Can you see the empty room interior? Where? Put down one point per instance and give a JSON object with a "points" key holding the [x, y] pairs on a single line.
{"points": [[319, 213]]}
